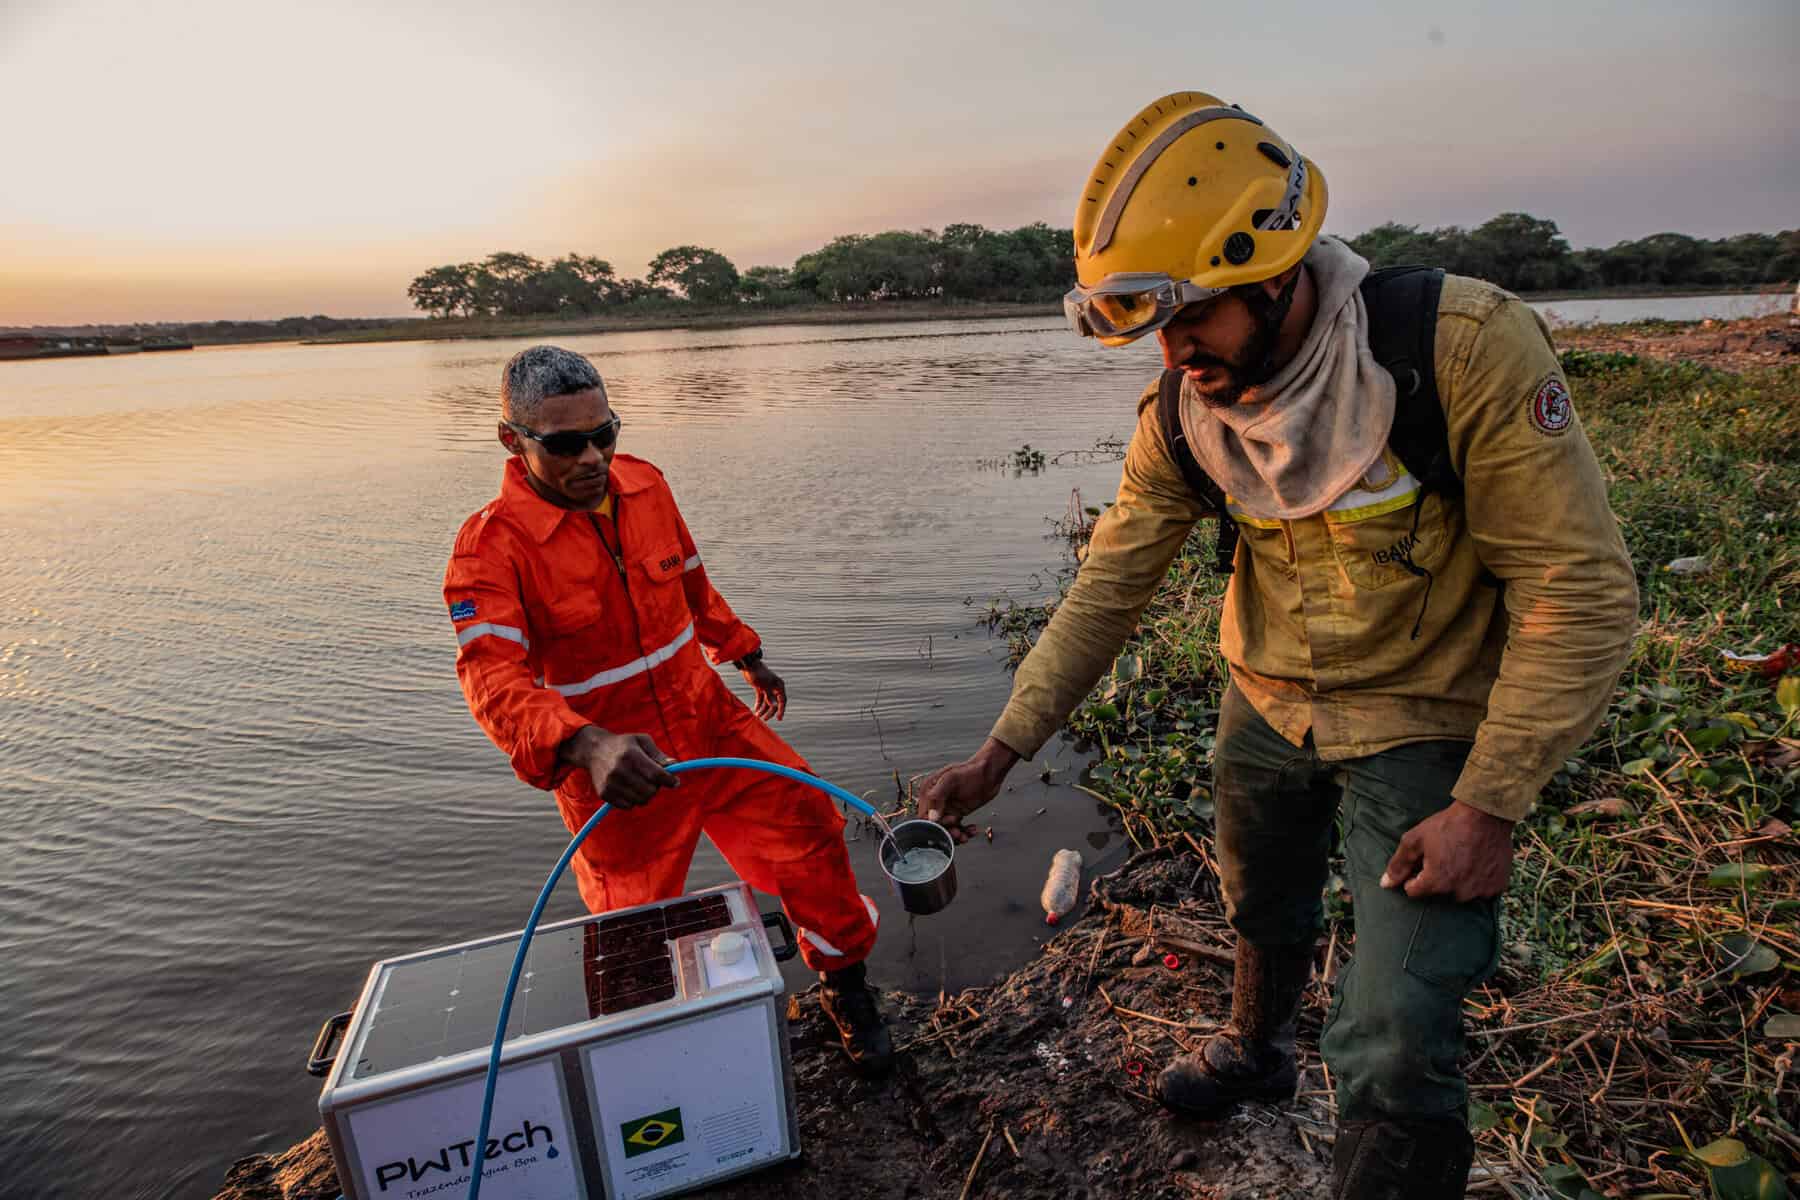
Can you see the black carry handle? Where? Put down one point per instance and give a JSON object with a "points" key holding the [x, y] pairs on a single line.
{"points": [[789, 945], [319, 1063]]}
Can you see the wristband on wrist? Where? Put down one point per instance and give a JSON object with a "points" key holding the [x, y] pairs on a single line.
{"points": [[754, 658]]}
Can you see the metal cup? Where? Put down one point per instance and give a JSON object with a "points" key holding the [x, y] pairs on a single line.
{"points": [[921, 899]]}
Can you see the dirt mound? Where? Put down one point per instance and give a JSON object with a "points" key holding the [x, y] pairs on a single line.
{"points": [[1729, 345], [1036, 1088], [301, 1172]]}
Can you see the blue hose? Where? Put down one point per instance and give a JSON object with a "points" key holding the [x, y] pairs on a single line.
{"points": [[537, 911]]}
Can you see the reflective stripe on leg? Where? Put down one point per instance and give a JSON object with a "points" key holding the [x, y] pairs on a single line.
{"points": [[826, 947]]}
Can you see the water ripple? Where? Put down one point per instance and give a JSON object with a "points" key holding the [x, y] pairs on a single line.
{"points": [[234, 760]]}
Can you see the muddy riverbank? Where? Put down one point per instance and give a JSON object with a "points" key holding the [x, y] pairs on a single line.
{"points": [[1036, 1088], [1739, 345]]}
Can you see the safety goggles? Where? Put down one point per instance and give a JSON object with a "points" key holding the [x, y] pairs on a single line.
{"points": [[1124, 307], [567, 443]]}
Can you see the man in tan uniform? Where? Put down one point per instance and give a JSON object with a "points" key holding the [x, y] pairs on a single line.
{"points": [[1417, 660]]}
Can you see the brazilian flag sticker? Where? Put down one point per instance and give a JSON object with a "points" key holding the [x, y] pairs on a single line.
{"points": [[653, 1132]]}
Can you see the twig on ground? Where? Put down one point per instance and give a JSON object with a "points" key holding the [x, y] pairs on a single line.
{"points": [[1144, 1016], [1554, 1058], [975, 1166]]}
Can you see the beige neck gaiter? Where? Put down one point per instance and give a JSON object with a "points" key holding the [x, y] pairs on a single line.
{"points": [[1290, 447]]}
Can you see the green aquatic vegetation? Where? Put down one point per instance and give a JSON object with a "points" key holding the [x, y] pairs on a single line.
{"points": [[1650, 961]]}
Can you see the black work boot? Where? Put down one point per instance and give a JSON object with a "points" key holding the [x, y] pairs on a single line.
{"points": [[1425, 1159], [849, 1001], [1252, 1058]]}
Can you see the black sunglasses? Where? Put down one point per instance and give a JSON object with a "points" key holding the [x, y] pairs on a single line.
{"points": [[567, 443]]}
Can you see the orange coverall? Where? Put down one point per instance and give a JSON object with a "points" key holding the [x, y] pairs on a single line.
{"points": [[555, 633]]}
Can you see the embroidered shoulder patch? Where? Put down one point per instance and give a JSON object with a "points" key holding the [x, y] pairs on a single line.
{"points": [[1551, 408], [462, 610]]}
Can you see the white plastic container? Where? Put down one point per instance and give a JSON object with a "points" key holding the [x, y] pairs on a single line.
{"points": [[1062, 887]]}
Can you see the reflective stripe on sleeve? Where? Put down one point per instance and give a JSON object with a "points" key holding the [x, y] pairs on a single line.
{"points": [[485, 629]]}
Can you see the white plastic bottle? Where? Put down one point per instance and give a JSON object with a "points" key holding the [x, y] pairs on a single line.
{"points": [[1062, 887]]}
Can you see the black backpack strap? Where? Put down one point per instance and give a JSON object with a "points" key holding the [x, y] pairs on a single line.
{"points": [[1168, 415], [1402, 304], [1403, 307]]}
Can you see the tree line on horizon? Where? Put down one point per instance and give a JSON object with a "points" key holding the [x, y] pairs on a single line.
{"points": [[963, 262], [1523, 253], [1035, 263]]}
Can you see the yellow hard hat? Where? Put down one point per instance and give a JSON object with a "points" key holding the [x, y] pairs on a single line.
{"points": [[1194, 196]]}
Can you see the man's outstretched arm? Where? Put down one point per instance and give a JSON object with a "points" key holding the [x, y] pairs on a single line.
{"points": [[1133, 544]]}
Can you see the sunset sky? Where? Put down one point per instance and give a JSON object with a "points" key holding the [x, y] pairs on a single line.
{"points": [[235, 158]]}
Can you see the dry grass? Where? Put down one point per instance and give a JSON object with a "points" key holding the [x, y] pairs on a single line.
{"points": [[1649, 932]]}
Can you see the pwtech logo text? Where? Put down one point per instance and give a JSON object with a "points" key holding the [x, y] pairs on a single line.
{"points": [[455, 1157]]}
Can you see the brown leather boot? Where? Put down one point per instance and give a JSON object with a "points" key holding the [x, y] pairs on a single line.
{"points": [[1423, 1159], [1252, 1058], [849, 1001]]}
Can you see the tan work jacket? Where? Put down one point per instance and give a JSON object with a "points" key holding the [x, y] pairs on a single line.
{"points": [[1319, 618]]}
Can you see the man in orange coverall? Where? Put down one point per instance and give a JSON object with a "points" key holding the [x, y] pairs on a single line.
{"points": [[581, 607]]}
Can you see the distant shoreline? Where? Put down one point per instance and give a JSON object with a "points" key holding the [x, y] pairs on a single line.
{"points": [[456, 328], [1657, 293], [430, 329], [434, 329]]}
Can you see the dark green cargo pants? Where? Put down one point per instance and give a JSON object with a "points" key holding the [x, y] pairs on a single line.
{"points": [[1394, 1036]]}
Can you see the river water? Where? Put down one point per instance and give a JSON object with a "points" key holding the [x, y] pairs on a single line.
{"points": [[235, 767]]}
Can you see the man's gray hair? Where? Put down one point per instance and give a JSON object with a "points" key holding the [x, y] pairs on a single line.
{"points": [[538, 372]]}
